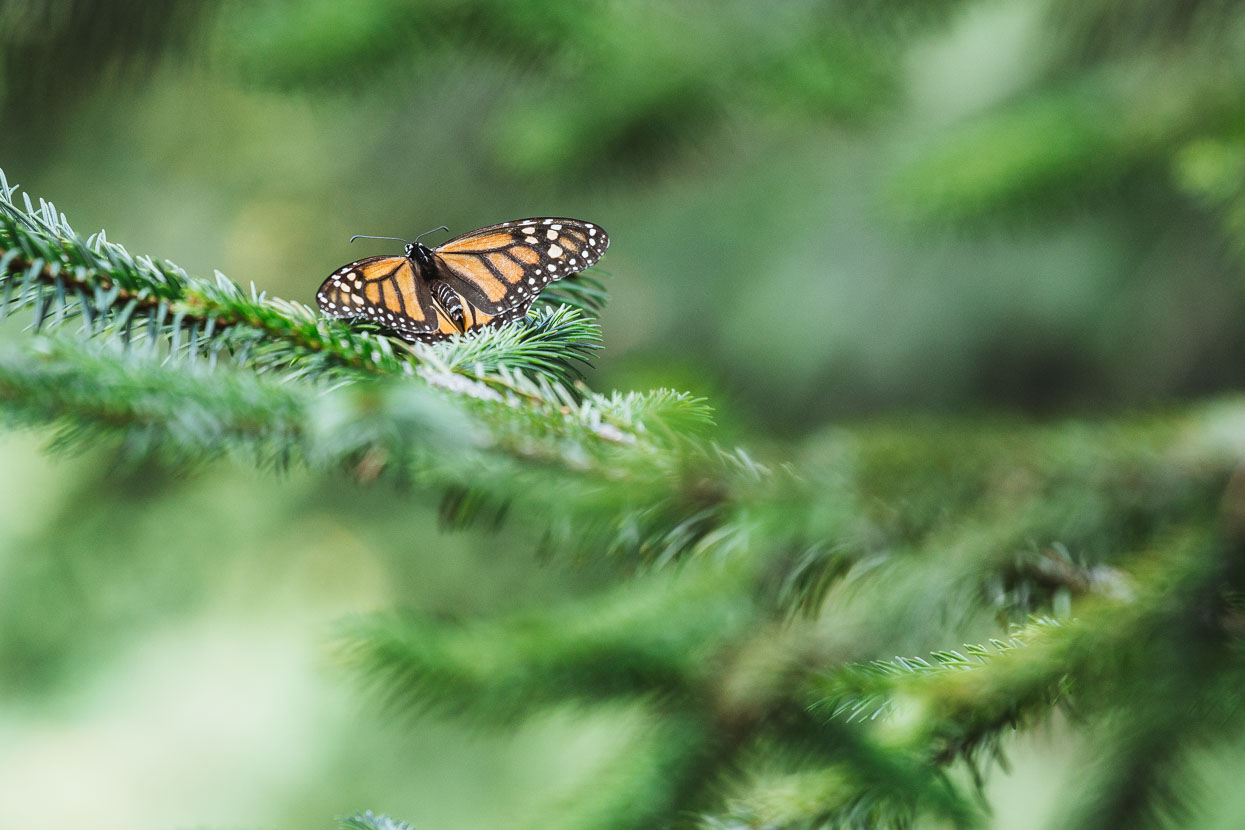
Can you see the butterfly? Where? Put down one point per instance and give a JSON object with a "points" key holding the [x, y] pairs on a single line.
{"points": [[483, 278]]}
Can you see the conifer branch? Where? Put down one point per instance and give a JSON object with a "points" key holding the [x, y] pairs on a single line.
{"points": [[614, 471], [645, 638], [170, 364], [635, 475], [46, 267], [962, 705], [191, 411], [890, 793]]}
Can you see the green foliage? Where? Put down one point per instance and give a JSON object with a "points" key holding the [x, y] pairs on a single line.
{"points": [[648, 639], [654, 88], [86, 40], [368, 821], [1133, 90], [337, 394], [1212, 172], [748, 639]]}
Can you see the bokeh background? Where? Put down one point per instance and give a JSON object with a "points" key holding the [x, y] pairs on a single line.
{"points": [[822, 212]]}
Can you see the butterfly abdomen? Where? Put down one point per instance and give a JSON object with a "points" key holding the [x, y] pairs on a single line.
{"points": [[451, 302]]}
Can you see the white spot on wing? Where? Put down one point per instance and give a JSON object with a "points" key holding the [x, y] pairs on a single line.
{"points": [[555, 251]]}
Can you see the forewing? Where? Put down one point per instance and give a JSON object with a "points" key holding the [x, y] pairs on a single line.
{"points": [[501, 269], [386, 289]]}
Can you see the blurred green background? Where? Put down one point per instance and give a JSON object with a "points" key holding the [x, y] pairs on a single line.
{"points": [[821, 212]]}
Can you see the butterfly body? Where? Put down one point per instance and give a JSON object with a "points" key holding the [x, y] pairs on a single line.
{"points": [[483, 278]]}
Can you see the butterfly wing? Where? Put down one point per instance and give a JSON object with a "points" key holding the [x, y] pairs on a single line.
{"points": [[388, 290], [501, 269]]}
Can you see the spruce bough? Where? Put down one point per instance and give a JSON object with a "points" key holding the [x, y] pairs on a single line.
{"points": [[758, 607]]}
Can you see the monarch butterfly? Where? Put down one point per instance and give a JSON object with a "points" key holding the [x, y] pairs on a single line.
{"points": [[483, 278]]}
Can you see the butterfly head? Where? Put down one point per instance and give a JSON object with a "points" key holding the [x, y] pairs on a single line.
{"points": [[419, 252], [415, 250]]}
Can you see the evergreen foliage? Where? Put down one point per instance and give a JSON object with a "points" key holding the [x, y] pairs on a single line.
{"points": [[633, 60], [755, 601], [1135, 98]]}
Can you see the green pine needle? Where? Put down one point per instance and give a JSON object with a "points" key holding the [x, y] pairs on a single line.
{"points": [[370, 821]]}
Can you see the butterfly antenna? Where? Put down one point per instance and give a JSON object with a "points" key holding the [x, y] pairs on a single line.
{"points": [[434, 230], [365, 236]]}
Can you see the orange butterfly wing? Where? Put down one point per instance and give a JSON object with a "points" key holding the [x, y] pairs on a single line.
{"points": [[501, 269], [388, 290], [487, 277]]}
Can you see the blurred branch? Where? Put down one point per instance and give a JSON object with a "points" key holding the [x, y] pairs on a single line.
{"points": [[654, 90], [1131, 87], [891, 527], [191, 411], [369, 821], [1049, 149], [54, 51], [1136, 656], [644, 638], [867, 691]]}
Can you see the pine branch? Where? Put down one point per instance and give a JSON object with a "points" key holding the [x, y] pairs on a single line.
{"points": [[512, 379], [1169, 687], [454, 431], [635, 475], [192, 411], [959, 706], [868, 691], [638, 475], [46, 267], [645, 638], [672, 642], [631, 474], [839, 796]]}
